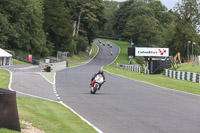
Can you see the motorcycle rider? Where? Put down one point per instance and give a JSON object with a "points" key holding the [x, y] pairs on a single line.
{"points": [[100, 72]]}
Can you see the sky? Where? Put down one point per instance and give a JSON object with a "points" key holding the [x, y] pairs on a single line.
{"points": [[168, 3]]}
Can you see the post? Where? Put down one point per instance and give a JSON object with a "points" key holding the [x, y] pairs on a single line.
{"points": [[193, 55], [188, 54]]}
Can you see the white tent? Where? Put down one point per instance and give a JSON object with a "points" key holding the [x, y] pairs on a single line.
{"points": [[5, 58]]}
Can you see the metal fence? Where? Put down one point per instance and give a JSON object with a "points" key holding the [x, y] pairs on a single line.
{"points": [[24, 59], [61, 56], [132, 67]]}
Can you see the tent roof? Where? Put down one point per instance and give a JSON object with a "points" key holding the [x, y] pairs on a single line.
{"points": [[3, 53]]}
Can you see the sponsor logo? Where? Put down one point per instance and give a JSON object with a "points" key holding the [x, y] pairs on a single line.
{"points": [[161, 52]]}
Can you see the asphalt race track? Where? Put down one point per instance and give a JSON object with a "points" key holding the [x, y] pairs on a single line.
{"points": [[124, 105]]}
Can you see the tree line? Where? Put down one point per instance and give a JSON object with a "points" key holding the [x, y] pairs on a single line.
{"points": [[43, 27], [153, 25]]}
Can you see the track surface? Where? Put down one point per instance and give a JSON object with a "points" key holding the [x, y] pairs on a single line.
{"points": [[124, 105]]}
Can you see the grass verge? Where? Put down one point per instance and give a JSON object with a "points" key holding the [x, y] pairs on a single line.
{"points": [[187, 67], [82, 57], [49, 76], [4, 79], [51, 117], [17, 62], [159, 80]]}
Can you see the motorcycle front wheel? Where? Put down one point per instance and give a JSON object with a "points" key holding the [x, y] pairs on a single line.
{"points": [[94, 89]]}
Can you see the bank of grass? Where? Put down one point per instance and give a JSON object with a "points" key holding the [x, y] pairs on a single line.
{"points": [[82, 57], [49, 76], [4, 79], [51, 117], [187, 67], [17, 62], [159, 80]]}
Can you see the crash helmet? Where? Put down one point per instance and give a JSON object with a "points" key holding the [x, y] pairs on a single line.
{"points": [[101, 71]]}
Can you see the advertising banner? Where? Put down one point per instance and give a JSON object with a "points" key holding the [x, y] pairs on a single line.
{"points": [[142, 51]]}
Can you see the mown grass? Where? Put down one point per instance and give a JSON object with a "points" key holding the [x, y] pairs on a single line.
{"points": [[17, 62], [187, 67], [160, 80], [49, 76], [4, 79], [51, 117], [8, 131], [82, 57]]}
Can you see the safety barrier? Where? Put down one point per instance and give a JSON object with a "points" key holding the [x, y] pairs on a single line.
{"points": [[189, 76], [132, 67], [146, 71], [57, 66]]}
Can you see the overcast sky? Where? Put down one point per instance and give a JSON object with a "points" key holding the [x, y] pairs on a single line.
{"points": [[168, 3]]}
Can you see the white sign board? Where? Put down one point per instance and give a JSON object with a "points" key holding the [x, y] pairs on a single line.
{"points": [[161, 52]]}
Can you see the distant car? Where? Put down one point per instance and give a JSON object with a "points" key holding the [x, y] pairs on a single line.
{"points": [[99, 41]]}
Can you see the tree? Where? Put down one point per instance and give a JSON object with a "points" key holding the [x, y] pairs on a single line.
{"points": [[24, 25], [58, 25], [187, 24], [89, 18], [144, 31]]}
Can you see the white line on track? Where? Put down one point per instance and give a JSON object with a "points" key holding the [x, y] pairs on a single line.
{"points": [[46, 78], [89, 60], [9, 87], [98, 130]]}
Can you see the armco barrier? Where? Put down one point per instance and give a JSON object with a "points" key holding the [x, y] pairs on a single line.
{"points": [[134, 67], [189, 76]]}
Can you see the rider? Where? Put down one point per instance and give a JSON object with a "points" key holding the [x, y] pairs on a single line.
{"points": [[100, 72]]}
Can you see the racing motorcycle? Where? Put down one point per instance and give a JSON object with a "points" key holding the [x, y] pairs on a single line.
{"points": [[96, 83]]}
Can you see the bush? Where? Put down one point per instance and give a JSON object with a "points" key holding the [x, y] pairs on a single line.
{"points": [[82, 43], [139, 59], [10, 51]]}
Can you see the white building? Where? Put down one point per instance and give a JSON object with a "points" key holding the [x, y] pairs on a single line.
{"points": [[5, 58]]}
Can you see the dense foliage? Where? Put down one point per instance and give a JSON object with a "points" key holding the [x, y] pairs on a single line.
{"points": [[43, 27]]}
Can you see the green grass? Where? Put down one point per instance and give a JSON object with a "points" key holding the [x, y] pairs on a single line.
{"points": [[4, 79], [82, 57], [51, 116], [17, 62], [159, 80], [8, 131], [188, 68], [48, 75]]}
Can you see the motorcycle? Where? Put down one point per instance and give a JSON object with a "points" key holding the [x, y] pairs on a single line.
{"points": [[111, 53], [96, 83]]}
